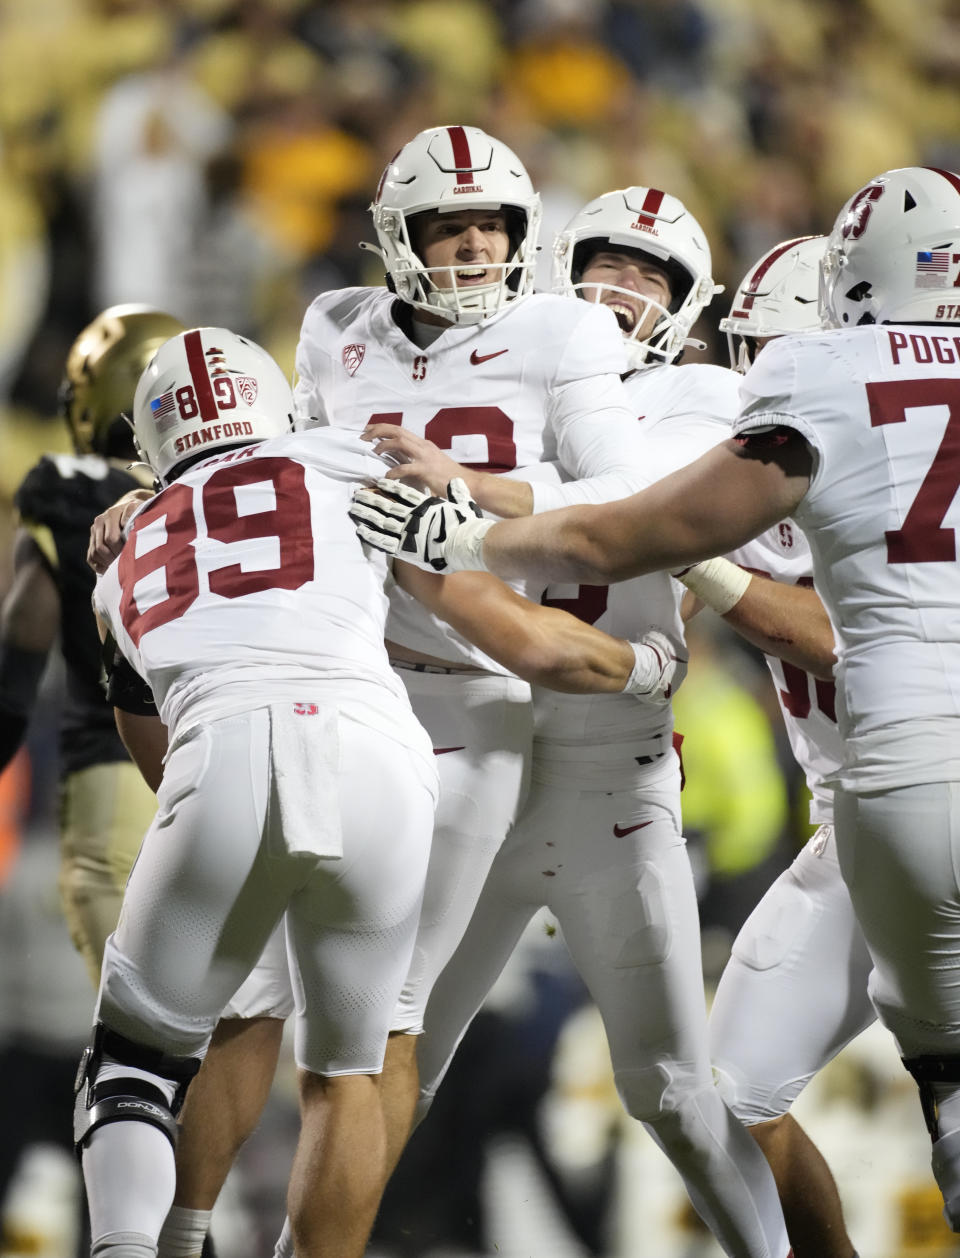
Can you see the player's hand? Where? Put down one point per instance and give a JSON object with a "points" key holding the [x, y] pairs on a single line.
{"points": [[415, 458], [107, 530], [658, 669], [436, 534]]}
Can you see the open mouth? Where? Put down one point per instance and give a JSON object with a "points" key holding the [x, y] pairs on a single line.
{"points": [[471, 275], [626, 315]]}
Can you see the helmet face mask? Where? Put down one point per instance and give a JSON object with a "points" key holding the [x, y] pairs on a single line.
{"points": [[778, 295], [657, 225], [103, 366], [446, 169], [207, 390], [893, 255]]}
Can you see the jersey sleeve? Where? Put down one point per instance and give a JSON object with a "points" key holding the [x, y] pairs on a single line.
{"points": [[768, 392], [596, 435], [312, 367]]}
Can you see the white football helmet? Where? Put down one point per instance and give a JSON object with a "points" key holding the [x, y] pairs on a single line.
{"points": [[779, 294], [656, 224], [447, 169], [205, 390], [894, 253]]}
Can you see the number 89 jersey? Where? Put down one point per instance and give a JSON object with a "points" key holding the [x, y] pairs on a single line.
{"points": [[538, 382], [243, 584], [880, 407]]}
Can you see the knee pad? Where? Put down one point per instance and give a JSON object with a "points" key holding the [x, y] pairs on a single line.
{"points": [[127, 1100]]}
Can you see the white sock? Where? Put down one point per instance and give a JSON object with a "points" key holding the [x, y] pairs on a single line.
{"points": [[184, 1233], [284, 1246]]}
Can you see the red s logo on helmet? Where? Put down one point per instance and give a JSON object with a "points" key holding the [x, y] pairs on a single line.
{"points": [[860, 210]]}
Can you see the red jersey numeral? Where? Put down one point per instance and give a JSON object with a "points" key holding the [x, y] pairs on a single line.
{"points": [[468, 421], [589, 604], [796, 698], [922, 537], [288, 521]]}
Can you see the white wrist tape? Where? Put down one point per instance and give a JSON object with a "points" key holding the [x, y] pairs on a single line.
{"points": [[464, 549], [655, 665], [718, 583]]}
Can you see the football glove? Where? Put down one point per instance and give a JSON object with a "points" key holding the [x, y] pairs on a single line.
{"points": [[437, 534]]}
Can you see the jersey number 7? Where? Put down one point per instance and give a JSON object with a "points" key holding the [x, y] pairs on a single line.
{"points": [[922, 538]]}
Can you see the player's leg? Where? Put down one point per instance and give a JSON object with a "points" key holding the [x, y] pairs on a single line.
{"points": [[221, 1111], [902, 846], [105, 810], [481, 727], [628, 910], [508, 900], [351, 931], [792, 995], [201, 902]]}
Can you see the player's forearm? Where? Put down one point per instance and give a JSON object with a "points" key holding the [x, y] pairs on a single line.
{"points": [[20, 673], [786, 621], [499, 495], [567, 655]]}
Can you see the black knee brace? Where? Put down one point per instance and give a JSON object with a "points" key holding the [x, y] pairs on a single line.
{"points": [[927, 1070], [127, 1100]]}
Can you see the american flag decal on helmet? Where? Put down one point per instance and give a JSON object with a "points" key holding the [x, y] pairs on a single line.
{"points": [[352, 357], [248, 388], [164, 411]]}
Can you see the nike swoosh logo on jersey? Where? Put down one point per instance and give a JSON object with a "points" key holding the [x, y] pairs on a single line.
{"points": [[476, 359], [630, 829], [442, 751]]}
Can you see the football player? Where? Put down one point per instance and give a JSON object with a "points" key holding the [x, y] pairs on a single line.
{"points": [[850, 433], [105, 805], [599, 841], [261, 654], [794, 991]]}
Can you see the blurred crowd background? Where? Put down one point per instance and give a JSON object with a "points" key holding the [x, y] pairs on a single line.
{"points": [[215, 158]]}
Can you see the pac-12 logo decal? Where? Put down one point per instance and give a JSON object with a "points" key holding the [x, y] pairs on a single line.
{"points": [[306, 709], [248, 388], [353, 357]]}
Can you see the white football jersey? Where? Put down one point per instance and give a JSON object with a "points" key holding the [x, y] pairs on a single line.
{"points": [[243, 583], [808, 703], [681, 413], [879, 406], [539, 382]]}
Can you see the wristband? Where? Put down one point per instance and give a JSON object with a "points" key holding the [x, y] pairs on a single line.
{"points": [[718, 583], [464, 551]]}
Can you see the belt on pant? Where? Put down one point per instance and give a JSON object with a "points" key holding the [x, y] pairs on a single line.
{"points": [[430, 668]]}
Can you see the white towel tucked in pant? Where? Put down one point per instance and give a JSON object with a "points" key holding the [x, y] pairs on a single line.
{"points": [[304, 763]]}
